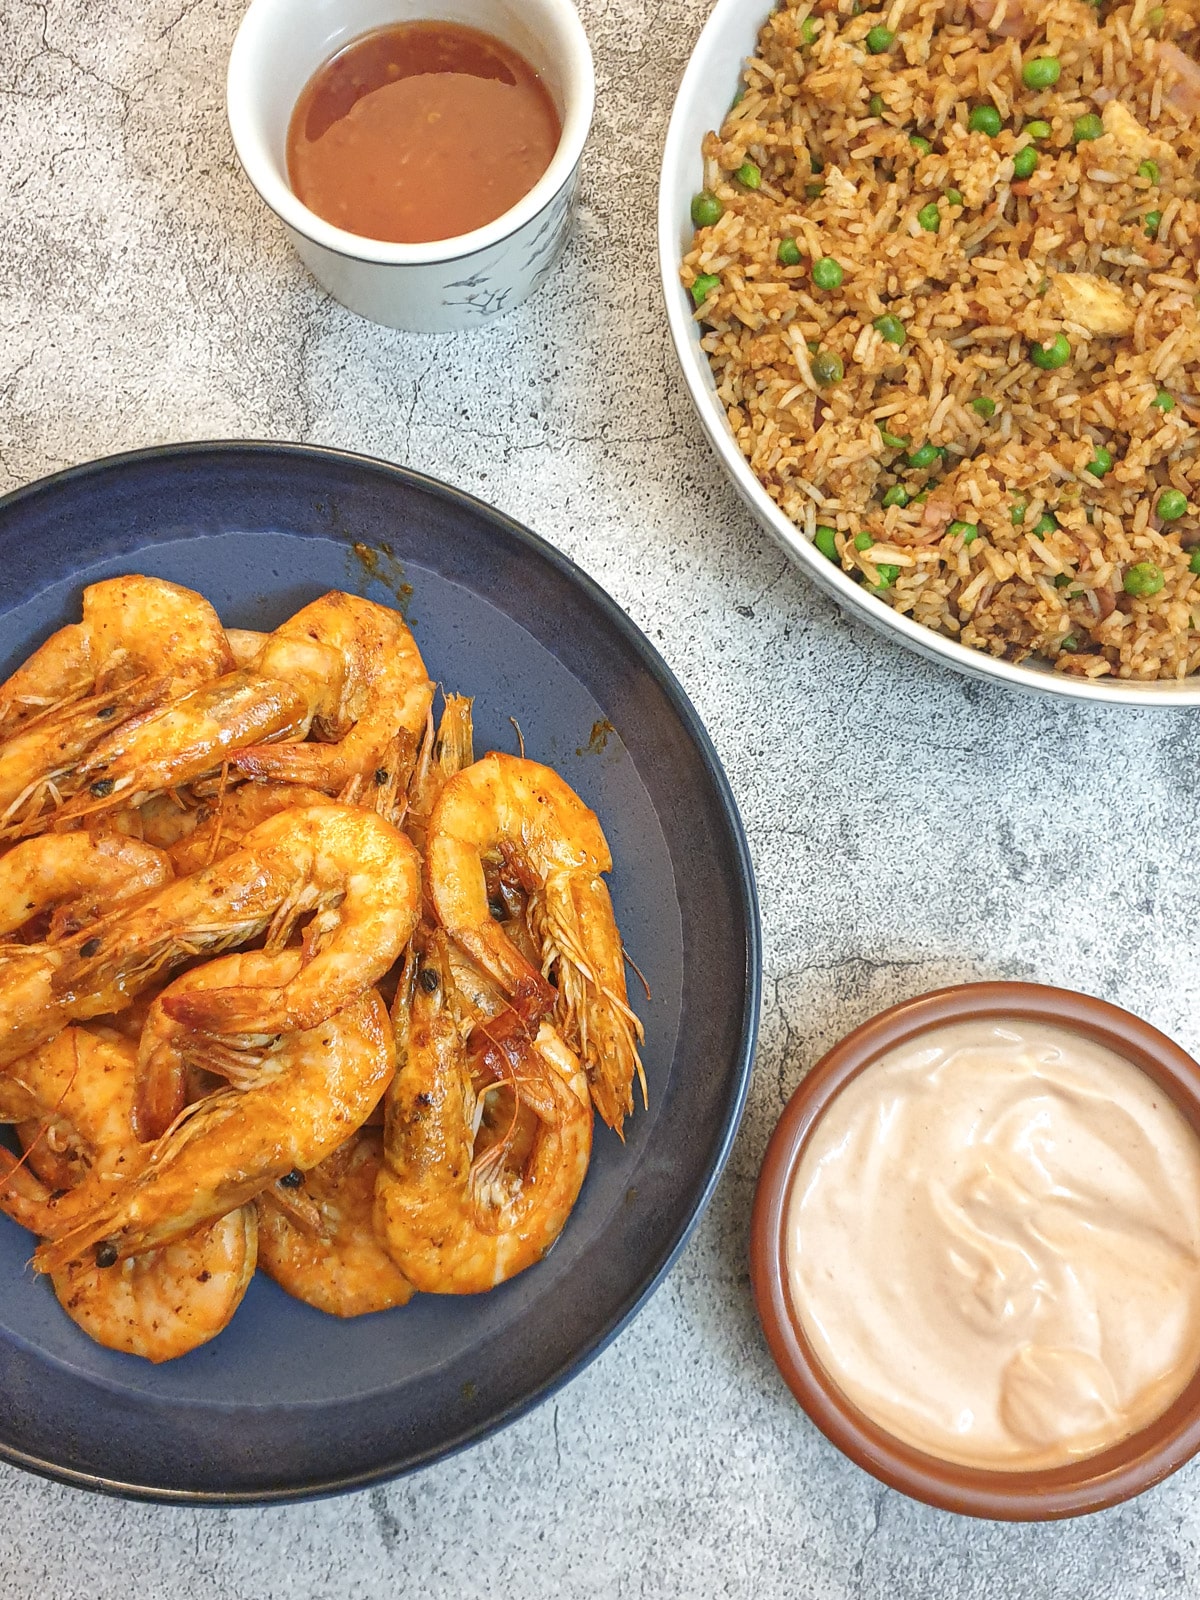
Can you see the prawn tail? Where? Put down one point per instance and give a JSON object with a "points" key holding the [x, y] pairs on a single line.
{"points": [[236, 1010], [23, 1197], [455, 735], [317, 766], [572, 920]]}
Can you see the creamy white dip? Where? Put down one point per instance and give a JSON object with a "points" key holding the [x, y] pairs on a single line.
{"points": [[993, 1244]]}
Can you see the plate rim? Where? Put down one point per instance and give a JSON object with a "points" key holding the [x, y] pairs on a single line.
{"points": [[751, 1005]]}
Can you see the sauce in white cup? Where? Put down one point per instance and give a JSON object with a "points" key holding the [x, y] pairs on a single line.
{"points": [[447, 283]]}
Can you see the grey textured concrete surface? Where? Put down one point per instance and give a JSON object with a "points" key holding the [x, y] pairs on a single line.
{"points": [[909, 828]]}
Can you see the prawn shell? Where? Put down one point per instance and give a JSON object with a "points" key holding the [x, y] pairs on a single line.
{"points": [[167, 1302], [333, 1259]]}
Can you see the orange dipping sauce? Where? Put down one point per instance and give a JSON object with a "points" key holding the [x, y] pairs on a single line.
{"points": [[420, 131]]}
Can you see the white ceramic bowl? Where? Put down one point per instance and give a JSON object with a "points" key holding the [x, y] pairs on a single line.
{"points": [[449, 283], [708, 87]]}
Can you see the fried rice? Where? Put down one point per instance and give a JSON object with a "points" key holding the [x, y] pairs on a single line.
{"points": [[993, 419]]}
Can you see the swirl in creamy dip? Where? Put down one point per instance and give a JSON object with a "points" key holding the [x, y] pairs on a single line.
{"points": [[993, 1244]]}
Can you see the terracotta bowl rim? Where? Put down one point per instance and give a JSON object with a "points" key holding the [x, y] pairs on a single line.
{"points": [[1091, 1484]]}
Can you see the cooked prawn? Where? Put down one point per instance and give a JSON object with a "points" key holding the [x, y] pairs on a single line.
{"points": [[319, 1242], [385, 692], [166, 746], [467, 1199], [45, 747], [142, 641], [354, 874], [361, 880], [78, 876], [304, 1095], [529, 820], [132, 628], [160, 1304]]}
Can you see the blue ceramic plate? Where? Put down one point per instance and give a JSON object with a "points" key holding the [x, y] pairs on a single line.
{"points": [[289, 1402]]}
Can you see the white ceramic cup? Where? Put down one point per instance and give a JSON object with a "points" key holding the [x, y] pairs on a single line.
{"points": [[448, 283]]}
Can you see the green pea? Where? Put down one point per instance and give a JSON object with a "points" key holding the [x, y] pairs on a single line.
{"points": [[1100, 463], [863, 541], [1194, 563], [1024, 162], [1143, 579], [894, 441], [1164, 400], [1020, 507], [825, 540], [809, 29], [920, 143], [1149, 171], [1051, 356], [1087, 127], [954, 197], [984, 407], [875, 105], [1070, 644], [1155, 18], [827, 273], [1153, 218], [788, 252], [929, 217], [749, 174], [918, 500], [985, 119], [1042, 72], [1171, 505], [706, 209], [891, 329], [967, 531], [1038, 129], [704, 286], [887, 575], [923, 456], [1045, 524], [827, 368], [880, 39], [896, 496], [814, 190]]}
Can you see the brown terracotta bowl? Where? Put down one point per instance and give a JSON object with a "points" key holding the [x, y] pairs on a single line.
{"points": [[1112, 1475]]}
